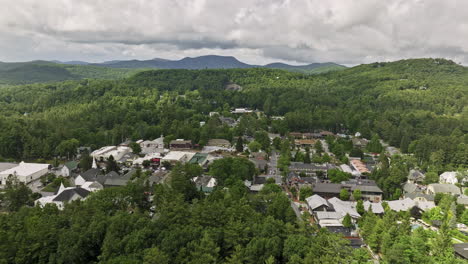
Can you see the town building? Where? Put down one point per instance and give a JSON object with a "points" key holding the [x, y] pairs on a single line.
{"points": [[24, 172], [180, 144]]}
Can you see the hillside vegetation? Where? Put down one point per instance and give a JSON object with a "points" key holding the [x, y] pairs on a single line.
{"points": [[417, 105]]}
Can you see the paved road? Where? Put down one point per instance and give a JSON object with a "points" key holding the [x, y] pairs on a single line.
{"points": [[273, 170]]}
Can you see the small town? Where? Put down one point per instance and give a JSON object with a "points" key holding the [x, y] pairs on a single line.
{"points": [[326, 176]]}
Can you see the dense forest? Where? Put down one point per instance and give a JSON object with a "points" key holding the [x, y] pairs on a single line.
{"points": [[417, 105], [181, 225]]}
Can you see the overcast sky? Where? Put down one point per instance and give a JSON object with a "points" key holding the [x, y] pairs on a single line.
{"points": [[254, 31]]}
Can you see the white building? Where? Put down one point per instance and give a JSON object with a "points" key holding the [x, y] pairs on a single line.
{"points": [[116, 152], [69, 194], [152, 146], [178, 156], [25, 172], [449, 177]]}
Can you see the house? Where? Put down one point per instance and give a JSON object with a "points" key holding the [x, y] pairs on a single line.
{"points": [[328, 219], [443, 188], [408, 204], [461, 250], [25, 172], [68, 168], [64, 196], [90, 175], [359, 142], [254, 188], [222, 143], [316, 203], [359, 166], [369, 192], [344, 207], [416, 176], [205, 183], [449, 177], [113, 179], [180, 144]]}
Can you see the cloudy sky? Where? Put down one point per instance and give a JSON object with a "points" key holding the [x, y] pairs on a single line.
{"points": [[254, 31]]}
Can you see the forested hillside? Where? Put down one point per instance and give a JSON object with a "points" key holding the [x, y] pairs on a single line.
{"points": [[417, 105], [43, 71]]}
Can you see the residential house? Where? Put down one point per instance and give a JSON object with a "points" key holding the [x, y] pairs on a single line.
{"points": [[24, 172], [180, 144], [359, 142], [113, 179], [435, 188], [68, 168], [316, 203], [416, 176], [64, 196], [205, 183], [90, 175], [359, 166], [408, 204]]}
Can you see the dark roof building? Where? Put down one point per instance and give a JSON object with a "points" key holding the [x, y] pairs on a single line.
{"points": [[71, 194], [180, 144]]}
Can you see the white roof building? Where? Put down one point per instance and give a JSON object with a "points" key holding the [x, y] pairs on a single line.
{"points": [[151, 146], [344, 207], [106, 152], [448, 177], [178, 156], [25, 172]]}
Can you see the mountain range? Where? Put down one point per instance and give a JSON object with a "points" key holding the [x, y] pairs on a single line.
{"points": [[205, 62], [50, 71]]}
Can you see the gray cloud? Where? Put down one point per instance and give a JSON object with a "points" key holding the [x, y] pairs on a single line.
{"points": [[256, 31]]}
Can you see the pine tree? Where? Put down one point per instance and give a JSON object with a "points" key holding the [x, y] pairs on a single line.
{"points": [[240, 144]]}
